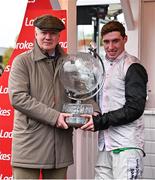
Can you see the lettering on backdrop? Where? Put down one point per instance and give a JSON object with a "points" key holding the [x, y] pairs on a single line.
{"points": [[5, 112], [29, 45], [5, 157], [3, 90], [63, 20], [63, 44], [2, 177], [29, 22], [7, 68], [5, 134], [24, 45]]}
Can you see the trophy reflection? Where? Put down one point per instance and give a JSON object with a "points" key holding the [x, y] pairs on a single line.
{"points": [[82, 77]]}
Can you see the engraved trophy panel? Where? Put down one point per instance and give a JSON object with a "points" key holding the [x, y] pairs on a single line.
{"points": [[77, 109], [82, 77]]}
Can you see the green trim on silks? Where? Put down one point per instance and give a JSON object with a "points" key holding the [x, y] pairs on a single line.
{"points": [[117, 151]]}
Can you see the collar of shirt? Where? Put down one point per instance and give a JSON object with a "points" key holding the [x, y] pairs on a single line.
{"points": [[51, 56], [117, 59]]}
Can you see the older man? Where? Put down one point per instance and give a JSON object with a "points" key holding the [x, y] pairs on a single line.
{"points": [[41, 138]]}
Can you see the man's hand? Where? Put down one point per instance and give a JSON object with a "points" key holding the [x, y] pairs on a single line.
{"points": [[89, 126], [61, 123]]}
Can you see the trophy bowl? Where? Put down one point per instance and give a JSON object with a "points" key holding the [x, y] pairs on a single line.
{"points": [[82, 77]]}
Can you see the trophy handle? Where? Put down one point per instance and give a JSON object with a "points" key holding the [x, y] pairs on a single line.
{"points": [[92, 48]]}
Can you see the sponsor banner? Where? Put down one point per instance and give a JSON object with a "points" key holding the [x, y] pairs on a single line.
{"points": [[5, 112], [5, 157], [5, 134], [5, 177], [7, 68], [3, 89], [24, 42], [29, 45]]}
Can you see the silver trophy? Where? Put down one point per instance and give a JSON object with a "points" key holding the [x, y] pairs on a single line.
{"points": [[82, 76]]}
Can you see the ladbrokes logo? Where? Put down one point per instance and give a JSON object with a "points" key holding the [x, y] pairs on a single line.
{"points": [[24, 45], [29, 22], [63, 44], [2, 177], [3, 90], [5, 134], [7, 68], [5, 112], [29, 45], [5, 157]]}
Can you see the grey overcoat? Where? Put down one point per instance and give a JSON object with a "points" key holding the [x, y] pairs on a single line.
{"points": [[37, 96]]}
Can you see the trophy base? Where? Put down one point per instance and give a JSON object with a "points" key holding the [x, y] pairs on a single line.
{"points": [[77, 109], [76, 121]]}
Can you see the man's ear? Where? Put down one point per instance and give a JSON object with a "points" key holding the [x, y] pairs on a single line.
{"points": [[35, 32], [125, 38]]}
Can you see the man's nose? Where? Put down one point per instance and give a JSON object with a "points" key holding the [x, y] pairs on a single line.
{"points": [[111, 45], [48, 35]]}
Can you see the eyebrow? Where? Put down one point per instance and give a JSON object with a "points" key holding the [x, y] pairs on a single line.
{"points": [[113, 40]]}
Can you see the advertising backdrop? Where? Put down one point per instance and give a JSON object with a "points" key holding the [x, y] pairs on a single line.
{"points": [[24, 42]]}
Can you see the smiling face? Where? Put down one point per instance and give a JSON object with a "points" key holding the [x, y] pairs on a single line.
{"points": [[47, 40], [114, 44]]}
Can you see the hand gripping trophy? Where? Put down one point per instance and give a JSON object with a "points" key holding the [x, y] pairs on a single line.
{"points": [[82, 76]]}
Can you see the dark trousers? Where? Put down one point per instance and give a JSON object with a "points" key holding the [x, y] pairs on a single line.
{"points": [[28, 173]]}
